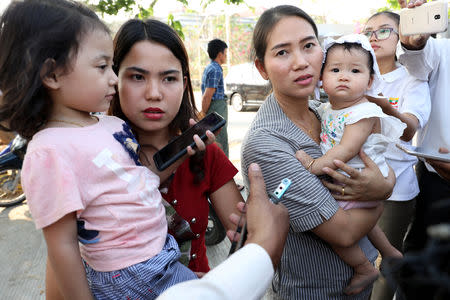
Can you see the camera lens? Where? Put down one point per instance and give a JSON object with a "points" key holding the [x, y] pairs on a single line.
{"points": [[437, 17]]}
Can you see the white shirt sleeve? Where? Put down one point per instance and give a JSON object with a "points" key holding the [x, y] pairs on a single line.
{"points": [[418, 101], [420, 63], [244, 275], [431, 63]]}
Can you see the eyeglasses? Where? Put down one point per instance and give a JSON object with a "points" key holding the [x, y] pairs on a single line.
{"points": [[380, 34]]}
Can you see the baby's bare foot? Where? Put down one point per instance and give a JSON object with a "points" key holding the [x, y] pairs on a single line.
{"points": [[365, 274]]}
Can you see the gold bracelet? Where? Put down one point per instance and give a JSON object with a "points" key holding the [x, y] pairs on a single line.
{"points": [[310, 165]]}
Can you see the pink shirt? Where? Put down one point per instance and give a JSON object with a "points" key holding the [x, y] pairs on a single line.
{"points": [[121, 220]]}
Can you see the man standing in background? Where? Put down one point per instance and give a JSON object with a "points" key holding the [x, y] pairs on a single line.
{"points": [[214, 99]]}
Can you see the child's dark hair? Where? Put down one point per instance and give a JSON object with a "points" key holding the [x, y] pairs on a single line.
{"points": [[215, 47], [347, 46], [134, 31], [37, 37]]}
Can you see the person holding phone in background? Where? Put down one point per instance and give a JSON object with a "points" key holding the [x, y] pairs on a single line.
{"points": [[428, 59], [408, 99]]}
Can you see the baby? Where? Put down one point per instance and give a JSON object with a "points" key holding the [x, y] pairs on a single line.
{"points": [[350, 123]]}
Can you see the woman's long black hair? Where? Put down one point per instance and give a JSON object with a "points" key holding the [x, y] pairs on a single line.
{"points": [[134, 31]]}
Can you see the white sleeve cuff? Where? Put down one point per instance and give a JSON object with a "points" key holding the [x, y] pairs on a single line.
{"points": [[245, 275]]}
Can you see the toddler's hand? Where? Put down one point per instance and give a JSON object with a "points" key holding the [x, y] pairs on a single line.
{"points": [[304, 158]]}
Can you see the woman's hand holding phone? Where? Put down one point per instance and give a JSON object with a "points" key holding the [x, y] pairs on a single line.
{"points": [[413, 42], [200, 145], [417, 41], [184, 144]]}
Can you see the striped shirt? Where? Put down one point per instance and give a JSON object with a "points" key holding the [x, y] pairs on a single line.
{"points": [[309, 267], [213, 78]]}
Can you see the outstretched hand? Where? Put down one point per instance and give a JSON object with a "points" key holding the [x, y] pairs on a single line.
{"points": [[267, 223]]}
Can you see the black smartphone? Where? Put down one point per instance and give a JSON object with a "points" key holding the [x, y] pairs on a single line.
{"points": [[177, 147]]}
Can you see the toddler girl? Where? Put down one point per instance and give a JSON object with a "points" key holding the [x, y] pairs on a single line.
{"points": [[351, 123], [81, 174]]}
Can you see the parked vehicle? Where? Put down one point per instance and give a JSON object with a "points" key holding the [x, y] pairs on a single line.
{"points": [[245, 88], [11, 159]]}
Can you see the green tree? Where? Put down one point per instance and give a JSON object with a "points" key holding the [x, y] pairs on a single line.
{"points": [[391, 5], [112, 7]]}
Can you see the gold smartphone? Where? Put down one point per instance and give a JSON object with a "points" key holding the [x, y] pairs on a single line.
{"points": [[431, 17]]}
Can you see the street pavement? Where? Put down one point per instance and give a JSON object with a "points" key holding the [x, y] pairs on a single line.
{"points": [[23, 249]]}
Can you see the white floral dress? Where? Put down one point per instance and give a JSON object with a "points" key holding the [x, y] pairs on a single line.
{"points": [[333, 124]]}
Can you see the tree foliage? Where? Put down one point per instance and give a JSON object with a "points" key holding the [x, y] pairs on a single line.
{"points": [[112, 7], [391, 5]]}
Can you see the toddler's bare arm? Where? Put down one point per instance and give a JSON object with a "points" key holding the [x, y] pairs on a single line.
{"points": [[352, 140]]}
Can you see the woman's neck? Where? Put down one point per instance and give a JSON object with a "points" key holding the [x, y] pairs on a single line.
{"points": [[293, 108], [386, 65], [297, 110], [156, 139]]}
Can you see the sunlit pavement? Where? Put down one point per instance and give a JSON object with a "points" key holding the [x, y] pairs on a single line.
{"points": [[23, 254]]}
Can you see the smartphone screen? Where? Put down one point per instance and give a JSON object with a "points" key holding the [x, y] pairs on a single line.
{"points": [[177, 148]]}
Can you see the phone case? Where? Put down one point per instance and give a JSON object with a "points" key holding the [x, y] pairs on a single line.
{"points": [[275, 197], [428, 18]]}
